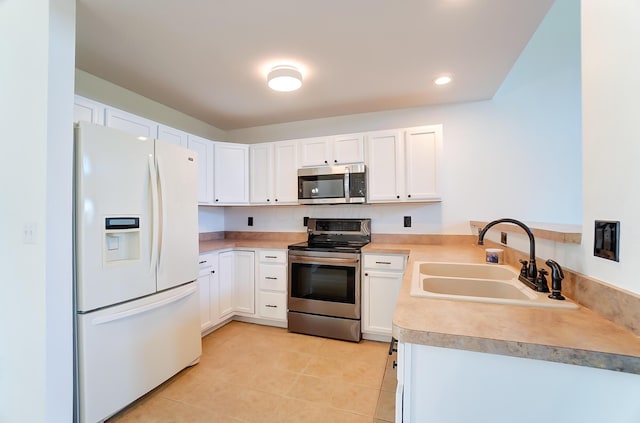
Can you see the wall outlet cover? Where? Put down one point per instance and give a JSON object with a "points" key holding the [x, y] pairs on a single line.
{"points": [[606, 240], [250, 221], [305, 220], [407, 221], [503, 238]]}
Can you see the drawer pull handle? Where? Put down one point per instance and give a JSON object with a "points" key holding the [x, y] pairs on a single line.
{"points": [[383, 262], [202, 262], [271, 306], [271, 278], [270, 257]]}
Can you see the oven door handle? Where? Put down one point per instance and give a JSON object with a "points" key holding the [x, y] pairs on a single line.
{"points": [[315, 260]]}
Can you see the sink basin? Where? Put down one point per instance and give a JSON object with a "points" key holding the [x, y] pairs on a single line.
{"points": [[475, 288], [488, 283], [469, 270]]}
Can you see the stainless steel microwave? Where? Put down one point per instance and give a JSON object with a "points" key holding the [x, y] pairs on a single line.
{"points": [[332, 184]]}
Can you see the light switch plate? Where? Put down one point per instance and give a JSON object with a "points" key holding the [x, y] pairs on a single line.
{"points": [[606, 240]]}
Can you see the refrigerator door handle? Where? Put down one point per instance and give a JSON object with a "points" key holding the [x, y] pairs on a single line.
{"points": [[154, 212], [145, 308], [161, 207]]}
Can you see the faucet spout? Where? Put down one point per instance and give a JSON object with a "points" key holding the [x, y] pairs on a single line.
{"points": [[532, 270]]}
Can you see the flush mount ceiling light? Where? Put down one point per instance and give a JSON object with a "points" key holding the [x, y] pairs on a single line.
{"points": [[284, 78], [443, 80]]}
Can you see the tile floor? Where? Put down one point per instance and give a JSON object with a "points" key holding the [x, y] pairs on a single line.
{"points": [[253, 373]]}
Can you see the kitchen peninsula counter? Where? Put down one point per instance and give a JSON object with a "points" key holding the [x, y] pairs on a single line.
{"points": [[580, 337]]}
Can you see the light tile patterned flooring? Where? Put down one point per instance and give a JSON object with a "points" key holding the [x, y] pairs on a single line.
{"points": [[253, 373]]}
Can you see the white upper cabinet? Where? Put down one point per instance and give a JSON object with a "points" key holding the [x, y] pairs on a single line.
{"points": [[348, 148], [172, 135], [204, 150], [315, 152], [404, 165], [130, 123], [85, 110], [231, 173], [285, 177], [273, 173], [384, 151], [261, 173], [422, 163], [328, 151]]}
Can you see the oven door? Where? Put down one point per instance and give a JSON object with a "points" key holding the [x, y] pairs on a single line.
{"points": [[327, 284]]}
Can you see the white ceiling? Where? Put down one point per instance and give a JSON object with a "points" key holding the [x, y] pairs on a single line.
{"points": [[209, 58]]}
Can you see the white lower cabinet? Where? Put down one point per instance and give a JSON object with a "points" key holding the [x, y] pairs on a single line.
{"points": [[271, 284], [244, 282], [236, 283], [451, 385], [381, 281], [208, 283], [226, 284]]}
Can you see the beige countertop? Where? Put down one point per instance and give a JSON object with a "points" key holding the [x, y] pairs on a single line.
{"points": [[223, 244], [579, 337]]}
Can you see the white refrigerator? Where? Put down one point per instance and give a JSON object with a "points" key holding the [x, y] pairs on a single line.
{"points": [[136, 267]]}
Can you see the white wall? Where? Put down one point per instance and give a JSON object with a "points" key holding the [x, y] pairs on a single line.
{"points": [[36, 82], [210, 219], [611, 134], [105, 92], [518, 155]]}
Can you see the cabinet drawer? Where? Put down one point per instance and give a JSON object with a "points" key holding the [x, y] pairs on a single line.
{"points": [[380, 262], [273, 305], [273, 256], [273, 277]]}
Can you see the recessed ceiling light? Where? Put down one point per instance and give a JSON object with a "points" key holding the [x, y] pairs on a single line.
{"points": [[442, 80], [284, 78]]}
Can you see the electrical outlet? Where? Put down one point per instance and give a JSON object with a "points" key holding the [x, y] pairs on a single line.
{"points": [[503, 238], [606, 240], [407, 221], [305, 220], [250, 221]]}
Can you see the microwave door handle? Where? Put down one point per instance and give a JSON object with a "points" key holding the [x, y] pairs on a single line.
{"points": [[346, 186]]}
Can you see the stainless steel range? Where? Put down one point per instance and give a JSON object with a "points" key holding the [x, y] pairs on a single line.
{"points": [[324, 278]]}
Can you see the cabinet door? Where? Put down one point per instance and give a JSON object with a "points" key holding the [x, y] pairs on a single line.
{"points": [[205, 302], [204, 150], [315, 152], [244, 283], [225, 284], [348, 149], [172, 135], [261, 174], [214, 290], [422, 163], [285, 177], [231, 173], [384, 166], [130, 123], [380, 293], [85, 110]]}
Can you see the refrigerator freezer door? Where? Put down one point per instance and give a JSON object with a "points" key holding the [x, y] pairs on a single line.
{"points": [[126, 350], [113, 217], [178, 192]]}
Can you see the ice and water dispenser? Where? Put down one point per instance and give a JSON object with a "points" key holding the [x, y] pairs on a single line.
{"points": [[121, 239]]}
